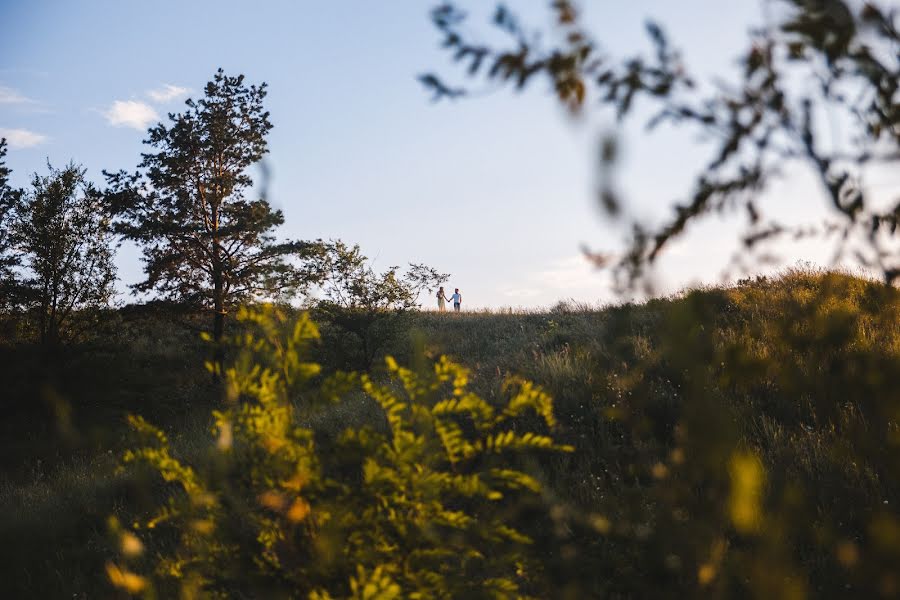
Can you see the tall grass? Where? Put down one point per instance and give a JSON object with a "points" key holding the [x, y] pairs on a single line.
{"points": [[729, 441]]}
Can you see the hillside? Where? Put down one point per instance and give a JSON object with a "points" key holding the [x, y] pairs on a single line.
{"points": [[736, 439]]}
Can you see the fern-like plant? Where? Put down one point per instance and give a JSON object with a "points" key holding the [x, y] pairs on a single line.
{"points": [[427, 503]]}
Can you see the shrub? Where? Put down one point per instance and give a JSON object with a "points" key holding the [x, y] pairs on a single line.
{"points": [[430, 504]]}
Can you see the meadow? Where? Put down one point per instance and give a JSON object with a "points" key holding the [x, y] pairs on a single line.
{"points": [[726, 442]]}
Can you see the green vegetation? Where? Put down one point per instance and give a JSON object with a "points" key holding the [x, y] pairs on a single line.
{"points": [[66, 247], [365, 307], [738, 441], [420, 505], [723, 442]]}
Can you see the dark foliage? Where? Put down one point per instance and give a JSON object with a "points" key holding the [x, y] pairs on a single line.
{"points": [[732, 442], [10, 291], [64, 241]]}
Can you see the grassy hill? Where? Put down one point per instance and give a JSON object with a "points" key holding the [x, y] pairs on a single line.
{"points": [[728, 441]]}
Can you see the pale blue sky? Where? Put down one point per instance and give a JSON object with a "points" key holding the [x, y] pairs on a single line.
{"points": [[497, 190]]}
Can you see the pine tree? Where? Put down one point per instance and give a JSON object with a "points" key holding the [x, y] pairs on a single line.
{"points": [[204, 242]]}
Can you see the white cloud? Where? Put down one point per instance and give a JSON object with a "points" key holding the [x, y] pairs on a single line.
{"points": [[131, 113], [10, 96], [573, 277], [22, 138], [567, 273], [138, 114], [167, 93], [519, 292], [576, 277]]}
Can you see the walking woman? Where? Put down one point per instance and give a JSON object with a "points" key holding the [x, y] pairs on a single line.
{"points": [[441, 298]]}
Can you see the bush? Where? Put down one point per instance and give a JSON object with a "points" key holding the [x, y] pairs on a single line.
{"points": [[430, 504]]}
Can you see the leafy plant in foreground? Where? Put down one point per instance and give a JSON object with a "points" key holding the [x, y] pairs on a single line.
{"points": [[429, 505]]}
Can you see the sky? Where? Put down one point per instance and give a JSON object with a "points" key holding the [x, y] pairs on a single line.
{"points": [[497, 189]]}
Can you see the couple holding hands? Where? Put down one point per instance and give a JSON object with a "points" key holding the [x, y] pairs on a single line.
{"points": [[456, 298]]}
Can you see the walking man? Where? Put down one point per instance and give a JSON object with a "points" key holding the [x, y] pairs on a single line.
{"points": [[457, 299]]}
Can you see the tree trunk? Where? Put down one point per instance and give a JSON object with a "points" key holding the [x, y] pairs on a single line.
{"points": [[218, 319], [218, 293], [49, 349], [42, 325], [219, 308]]}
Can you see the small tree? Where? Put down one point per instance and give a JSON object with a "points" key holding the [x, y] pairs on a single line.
{"points": [[357, 298], [9, 258], [349, 281], [65, 241], [204, 242]]}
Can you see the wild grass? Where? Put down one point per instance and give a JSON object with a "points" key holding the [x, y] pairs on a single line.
{"points": [[668, 403]]}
